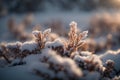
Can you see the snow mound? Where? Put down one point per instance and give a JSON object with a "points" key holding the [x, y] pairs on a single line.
{"points": [[29, 45]]}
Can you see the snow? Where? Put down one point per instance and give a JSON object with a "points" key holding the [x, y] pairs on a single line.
{"points": [[32, 58], [112, 55], [37, 62], [29, 45], [85, 53], [71, 67], [68, 64], [33, 63], [14, 45], [55, 43], [80, 58]]}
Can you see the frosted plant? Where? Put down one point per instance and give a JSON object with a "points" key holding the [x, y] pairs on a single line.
{"points": [[13, 49], [74, 43], [41, 37], [88, 61], [29, 47], [75, 40], [111, 58]]}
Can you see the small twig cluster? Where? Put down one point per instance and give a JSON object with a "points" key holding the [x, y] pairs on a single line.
{"points": [[76, 40], [74, 43], [41, 38], [20, 50]]}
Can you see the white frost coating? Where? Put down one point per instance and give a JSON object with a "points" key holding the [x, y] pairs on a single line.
{"points": [[33, 62], [73, 23], [47, 53], [55, 43], [29, 45], [112, 55], [32, 58], [85, 53], [47, 31], [68, 64], [14, 45], [36, 33], [71, 67], [36, 62], [84, 34], [80, 58], [55, 60], [73, 26]]}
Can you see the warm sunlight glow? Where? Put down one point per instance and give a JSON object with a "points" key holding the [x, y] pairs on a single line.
{"points": [[117, 1]]}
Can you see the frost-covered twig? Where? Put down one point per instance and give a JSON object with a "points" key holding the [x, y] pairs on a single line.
{"points": [[41, 37], [75, 40], [3, 51]]}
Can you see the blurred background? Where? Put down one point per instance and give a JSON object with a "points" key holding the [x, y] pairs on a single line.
{"points": [[18, 18]]}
